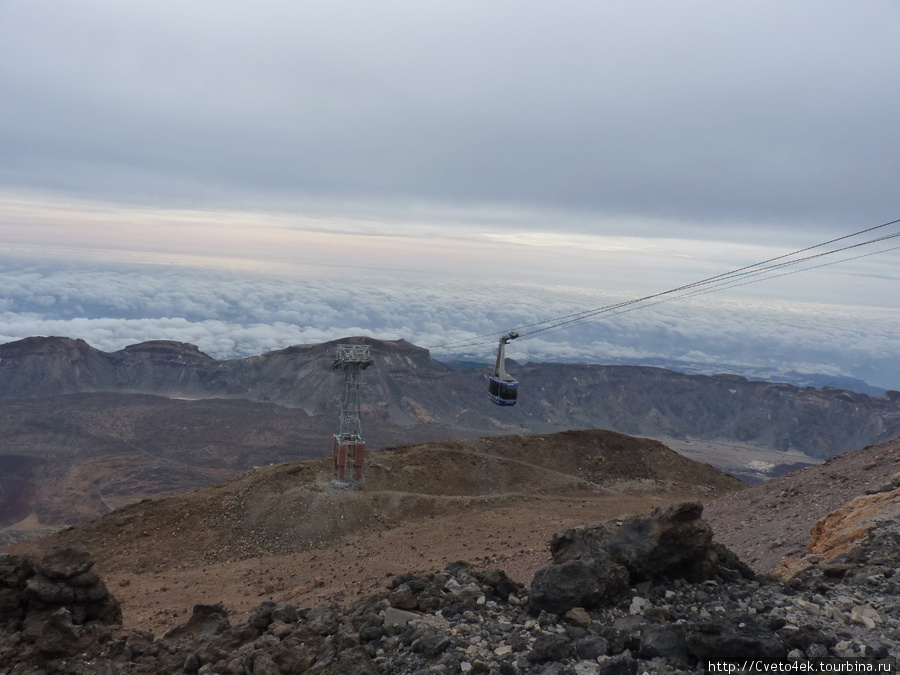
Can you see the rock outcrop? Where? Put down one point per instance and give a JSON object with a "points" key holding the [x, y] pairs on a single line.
{"points": [[55, 606], [846, 531], [843, 529], [596, 564]]}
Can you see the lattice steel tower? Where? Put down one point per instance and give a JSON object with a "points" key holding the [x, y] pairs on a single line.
{"points": [[348, 443]]}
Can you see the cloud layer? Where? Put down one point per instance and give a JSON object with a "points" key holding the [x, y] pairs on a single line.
{"points": [[246, 176], [231, 315]]}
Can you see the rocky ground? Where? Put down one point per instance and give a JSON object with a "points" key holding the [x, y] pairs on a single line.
{"points": [[632, 595], [648, 595]]}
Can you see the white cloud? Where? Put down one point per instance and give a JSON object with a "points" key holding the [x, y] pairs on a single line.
{"points": [[230, 315]]}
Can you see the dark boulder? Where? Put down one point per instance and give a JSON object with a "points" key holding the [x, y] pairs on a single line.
{"points": [[15, 571], [579, 542], [585, 582], [354, 660], [53, 607], [60, 580], [499, 582], [595, 565], [551, 648], [64, 563], [590, 647], [723, 642], [672, 543], [618, 665], [664, 641], [54, 633]]}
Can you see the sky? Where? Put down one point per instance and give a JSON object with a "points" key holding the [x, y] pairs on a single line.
{"points": [[246, 176]]}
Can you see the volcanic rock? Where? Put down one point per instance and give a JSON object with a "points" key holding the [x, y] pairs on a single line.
{"points": [[719, 641], [55, 606], [840, 530], [587, 582], [678, 627], [596, 564]]}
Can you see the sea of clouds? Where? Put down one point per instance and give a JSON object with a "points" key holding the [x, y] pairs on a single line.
{"points": [[233, 314]]}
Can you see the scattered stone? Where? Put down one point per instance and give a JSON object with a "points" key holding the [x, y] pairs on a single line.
{"points": [[639, 605], [395, 619], [866, 615], [585, 615], [205, 620], [578, 616]]}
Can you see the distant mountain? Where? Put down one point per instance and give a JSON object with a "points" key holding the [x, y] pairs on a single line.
{"points": [[817, 380], [835, 382], [406, 388]]}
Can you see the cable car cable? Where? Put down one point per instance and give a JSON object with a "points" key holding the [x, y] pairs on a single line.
{"points": [[591, 312], [714, 289], [722, 283], [748, 270]]}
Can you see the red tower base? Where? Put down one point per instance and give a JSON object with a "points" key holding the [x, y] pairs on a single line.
{"points": [[348, 447]]}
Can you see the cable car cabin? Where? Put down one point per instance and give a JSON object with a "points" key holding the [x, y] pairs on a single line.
{"points": [[503, 392], [502, 388]]}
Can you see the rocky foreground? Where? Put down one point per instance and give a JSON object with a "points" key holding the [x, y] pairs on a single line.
{"points": [[654, 595]]}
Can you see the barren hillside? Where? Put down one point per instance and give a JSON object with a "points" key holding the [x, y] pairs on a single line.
{"points": [[288, 532], [161, 417], [768, 522], [67, 458]]}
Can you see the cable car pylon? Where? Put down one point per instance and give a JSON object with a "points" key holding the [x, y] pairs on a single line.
{"points": [[348, 443]]}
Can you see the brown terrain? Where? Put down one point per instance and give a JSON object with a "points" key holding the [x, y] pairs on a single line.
{"points": [[291, 534], [767, 523], [64, 459], [83, 431], [170, 534]]}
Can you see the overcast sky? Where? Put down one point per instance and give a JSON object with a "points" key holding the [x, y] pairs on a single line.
{"points": [[234, 169]]}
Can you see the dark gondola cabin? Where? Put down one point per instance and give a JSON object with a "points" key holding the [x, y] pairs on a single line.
{"points": [[502, 388], [503, 393]]}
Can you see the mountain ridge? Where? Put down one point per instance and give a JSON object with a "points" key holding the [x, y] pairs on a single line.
{"points": [[407, 387]]}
